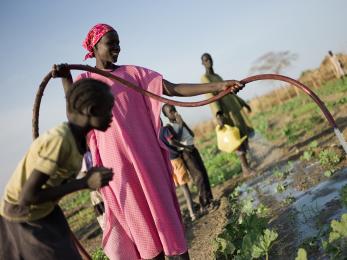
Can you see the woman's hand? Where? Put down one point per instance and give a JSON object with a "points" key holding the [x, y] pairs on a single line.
{"points": [[233, 85], [61, 71], [98, 177]]}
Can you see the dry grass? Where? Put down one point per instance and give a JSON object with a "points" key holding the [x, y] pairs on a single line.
{"points": [[312, 78]]}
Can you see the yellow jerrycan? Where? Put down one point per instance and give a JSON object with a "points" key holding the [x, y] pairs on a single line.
{"points": [[228, 138]]}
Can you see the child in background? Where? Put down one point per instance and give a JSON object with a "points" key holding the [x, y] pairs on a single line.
{"points": [[184, 142], [228, 139], [180, 173], [32, 224]]}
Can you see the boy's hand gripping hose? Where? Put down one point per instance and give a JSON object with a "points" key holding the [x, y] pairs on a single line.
{"points": [[316, 99]]}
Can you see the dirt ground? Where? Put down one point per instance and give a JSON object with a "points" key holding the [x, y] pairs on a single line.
{"points": [[205, 229], [263, 157]]}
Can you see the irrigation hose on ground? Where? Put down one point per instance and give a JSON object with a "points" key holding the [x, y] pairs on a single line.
{"points": [[316, 99]]}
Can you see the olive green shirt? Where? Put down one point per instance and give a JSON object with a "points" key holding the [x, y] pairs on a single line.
{"points": [[231, 105], [54, 153]]}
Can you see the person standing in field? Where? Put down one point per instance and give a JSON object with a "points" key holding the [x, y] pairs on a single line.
{"points": [[232, 108], [184, 141], [179, 170], [142, 217], [337, 66], [32, 225]]}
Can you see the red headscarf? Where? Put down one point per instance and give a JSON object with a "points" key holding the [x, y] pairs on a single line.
{"points": [[93, 36]]}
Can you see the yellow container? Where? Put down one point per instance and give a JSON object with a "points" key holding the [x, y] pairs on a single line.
{"points": [[228, 138]]}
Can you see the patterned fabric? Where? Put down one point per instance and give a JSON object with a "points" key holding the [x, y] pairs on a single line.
{"points": [[93, 36], [142, 212]]}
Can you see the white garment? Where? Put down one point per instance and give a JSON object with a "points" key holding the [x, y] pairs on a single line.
{"points": [[336, 63], [186, 138]]}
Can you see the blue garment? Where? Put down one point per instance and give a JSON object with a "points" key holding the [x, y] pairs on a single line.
{"points": [[88, 159], [166, 133]]}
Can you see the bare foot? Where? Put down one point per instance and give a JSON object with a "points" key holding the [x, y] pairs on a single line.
{"points": [[248, 173]]}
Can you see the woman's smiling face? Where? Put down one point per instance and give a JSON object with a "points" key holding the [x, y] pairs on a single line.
{"points": [[107, 49]]}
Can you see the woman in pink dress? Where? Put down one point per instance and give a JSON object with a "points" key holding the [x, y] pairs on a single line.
{"points": [[142, 217]]}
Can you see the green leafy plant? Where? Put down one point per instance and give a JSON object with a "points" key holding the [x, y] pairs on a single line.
{"points": [[343, 195], [75, 199], [339, 229], [278, 174], [280, 188], [288, 200], [262, 210], [306, 114], [328, 173], [302, 255], [220, 166], [262, 246], [223, 245], [313, 144], [247, 207], [245, 229], [98, 254], [309, 154], [313, 244], [329, 159], [289, 167], [291, 133], [336, 246]]}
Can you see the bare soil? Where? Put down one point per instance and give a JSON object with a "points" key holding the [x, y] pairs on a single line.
{"points": [[264, 156]]}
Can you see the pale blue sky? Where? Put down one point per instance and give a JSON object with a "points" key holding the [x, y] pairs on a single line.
{"points": [[166, 36]]}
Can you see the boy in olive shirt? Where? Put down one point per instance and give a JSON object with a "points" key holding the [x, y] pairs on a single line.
{"points": [[32, 224]]}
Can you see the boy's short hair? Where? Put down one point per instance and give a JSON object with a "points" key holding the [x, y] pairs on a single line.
{"points": [[220, 113], [86, 92], [164, 107], [207, 55]]}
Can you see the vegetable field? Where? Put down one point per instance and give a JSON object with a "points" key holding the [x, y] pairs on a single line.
{"points": [[295, 207]]}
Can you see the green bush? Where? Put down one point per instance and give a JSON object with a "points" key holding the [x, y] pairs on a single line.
{"points": [[220, 166], [336, 245], [98, 254], [75, 199], [246, 235]]}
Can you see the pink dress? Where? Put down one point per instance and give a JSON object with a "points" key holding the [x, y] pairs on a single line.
{"points": [[142, 212]]}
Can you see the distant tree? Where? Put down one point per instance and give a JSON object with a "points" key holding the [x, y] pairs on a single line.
{"points": [[273, 62]]}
